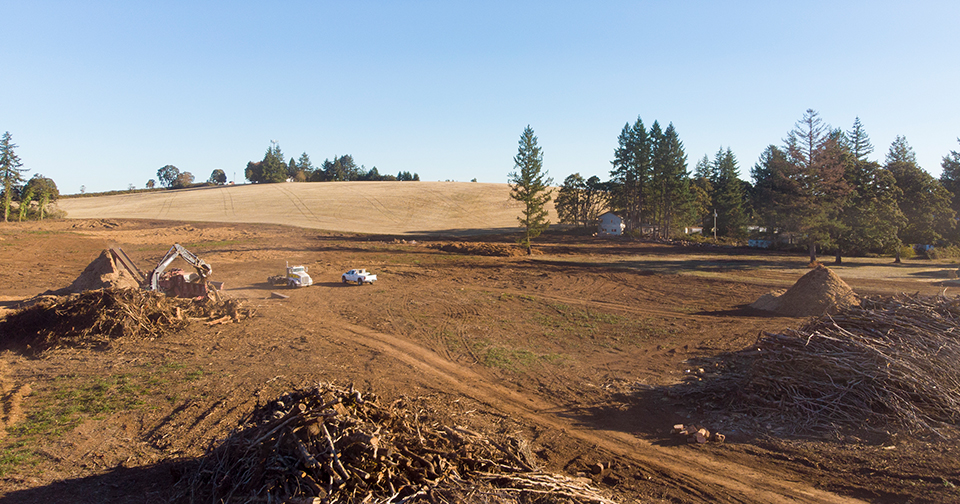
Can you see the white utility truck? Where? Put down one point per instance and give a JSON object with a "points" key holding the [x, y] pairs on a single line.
{"points": [[361, 276], [296, 277]]}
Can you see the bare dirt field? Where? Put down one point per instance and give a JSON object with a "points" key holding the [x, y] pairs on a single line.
{"points": [[575, 348]]}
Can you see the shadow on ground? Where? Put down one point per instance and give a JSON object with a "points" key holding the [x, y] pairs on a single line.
{"points": [[136, 485]]}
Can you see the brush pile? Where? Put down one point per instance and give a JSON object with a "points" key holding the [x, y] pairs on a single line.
{"points": [[889, 364], [481, 249], [333, 445], [96, 317]]}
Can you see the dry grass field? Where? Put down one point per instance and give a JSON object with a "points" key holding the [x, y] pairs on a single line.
{"points": [[452, 208], [579, 349]]}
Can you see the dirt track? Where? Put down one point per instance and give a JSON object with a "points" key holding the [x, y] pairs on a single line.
{"points": [[569, 347]]}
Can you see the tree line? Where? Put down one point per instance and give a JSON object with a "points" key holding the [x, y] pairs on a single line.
{"points": [[819, 189], [32, 196], [272, 168]]}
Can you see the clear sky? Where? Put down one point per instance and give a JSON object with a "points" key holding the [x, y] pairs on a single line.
{"points": [[103, 94]]}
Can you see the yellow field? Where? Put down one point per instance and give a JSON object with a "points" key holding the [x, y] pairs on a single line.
{"points": [[363, 207]]}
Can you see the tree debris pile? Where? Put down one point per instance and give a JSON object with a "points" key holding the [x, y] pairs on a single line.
{"points": [[889, 364], [816, 293], [333, 445], [481, 249], [95, 317]]}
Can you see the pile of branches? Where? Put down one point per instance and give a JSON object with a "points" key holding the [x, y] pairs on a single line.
{"points": [[333, 445], [483, 249], [96, 317], [889, 364]]}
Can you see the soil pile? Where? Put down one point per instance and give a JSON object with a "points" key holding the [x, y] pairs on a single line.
{"points": [[96, 317], [103, 273], [816, 293], [333, 444], [482, 249], [885, 365]]}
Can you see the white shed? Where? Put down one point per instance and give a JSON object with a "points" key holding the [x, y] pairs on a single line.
{"points": [[610, 224]]}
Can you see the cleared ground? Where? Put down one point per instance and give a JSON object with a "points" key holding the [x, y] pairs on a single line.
{"points": [[576, 348]]}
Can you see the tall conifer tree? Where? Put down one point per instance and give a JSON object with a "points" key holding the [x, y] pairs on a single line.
{"points": [[530, 185], [11, 172]]}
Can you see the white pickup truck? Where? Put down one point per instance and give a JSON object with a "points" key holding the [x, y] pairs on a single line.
{"points": [[361, 276]]}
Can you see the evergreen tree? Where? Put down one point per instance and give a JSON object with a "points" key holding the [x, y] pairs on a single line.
{"points": [[817, 173], [873, 216], [292, 169], [305, 168], [775, 193], [530, 185], [729, 198], [950, 178], [858, 142], [273, 168], [11, 172], [701, 189], [924, 201], [672, 202], [631, 174]]}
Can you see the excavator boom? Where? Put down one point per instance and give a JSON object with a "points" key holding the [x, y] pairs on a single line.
{"points": [[203, 269]]}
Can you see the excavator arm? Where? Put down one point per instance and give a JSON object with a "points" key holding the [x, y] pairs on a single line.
{"points": [[203, 269]]}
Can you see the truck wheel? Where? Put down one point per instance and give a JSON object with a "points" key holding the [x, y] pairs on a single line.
{"points": [[344, 279], [359, 281]]}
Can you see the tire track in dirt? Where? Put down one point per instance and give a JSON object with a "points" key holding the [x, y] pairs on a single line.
{"points": [[167, 204], [298, 204], [695, 474], [227, 199], [11, 397]]}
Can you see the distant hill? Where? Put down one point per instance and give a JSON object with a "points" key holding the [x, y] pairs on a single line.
{"points": [[460, 208]]}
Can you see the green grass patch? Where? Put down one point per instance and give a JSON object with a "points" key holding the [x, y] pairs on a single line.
{"points": [[511, 359], [209, 244], [67, 401]]}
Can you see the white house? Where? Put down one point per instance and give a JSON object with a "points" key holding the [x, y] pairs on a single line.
{"points": [[610, 224]]}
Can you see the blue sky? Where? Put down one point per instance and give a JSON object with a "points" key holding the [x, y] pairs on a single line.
{"points": [[102, 94]]}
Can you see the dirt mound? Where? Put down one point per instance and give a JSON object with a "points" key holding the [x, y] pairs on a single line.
{"points": [[334, 444], [483, 249], [816, 293], [95, 317], [102, 273]]}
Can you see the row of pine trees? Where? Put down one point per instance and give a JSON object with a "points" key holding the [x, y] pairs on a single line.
{"points": [[820, 188]]}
